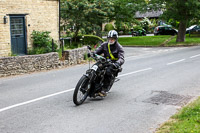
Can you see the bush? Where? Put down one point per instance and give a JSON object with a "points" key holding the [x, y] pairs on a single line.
{"points": [[38, 50], [81, 40], [41, 39], [109, 27], [42, 43], [123, 28], [91, 40], [136, 28]]}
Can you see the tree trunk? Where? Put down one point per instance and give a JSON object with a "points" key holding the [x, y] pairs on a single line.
{"points": [[181, 31]]}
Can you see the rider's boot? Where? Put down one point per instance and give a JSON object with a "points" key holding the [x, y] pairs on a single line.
{"points": [[102, 93]]}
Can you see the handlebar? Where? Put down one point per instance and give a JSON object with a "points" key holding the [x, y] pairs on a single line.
{"points": [[95, 56], [99, 57]]}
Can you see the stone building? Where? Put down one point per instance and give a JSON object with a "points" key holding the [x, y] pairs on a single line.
{"points": [[18, 19], [149, 15]]}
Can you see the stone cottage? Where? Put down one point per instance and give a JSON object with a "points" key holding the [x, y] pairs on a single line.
{"points": [[150, 15], [18, 19]]}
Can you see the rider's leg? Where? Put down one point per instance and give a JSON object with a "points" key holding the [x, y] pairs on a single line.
{"points": [[106, 81]]}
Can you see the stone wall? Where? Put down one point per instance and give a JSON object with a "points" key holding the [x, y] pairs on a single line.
{"points": [[40, 15], [32, 63], [27, 64], [75, 56]]}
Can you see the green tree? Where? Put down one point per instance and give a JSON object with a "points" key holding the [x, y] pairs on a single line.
{"points": [[85, 14], [182, 11], [124, 11], [109, 27]]}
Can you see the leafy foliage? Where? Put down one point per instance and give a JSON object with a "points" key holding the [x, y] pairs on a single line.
{"points": [[109, 27], [124, 11], [92, 40], [41, 39], [182, 11], [42, 42], [137, 27], [124, 27], [86, 14]]}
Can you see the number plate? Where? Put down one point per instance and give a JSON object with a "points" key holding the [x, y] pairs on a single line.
{"points": [[95, 67]]}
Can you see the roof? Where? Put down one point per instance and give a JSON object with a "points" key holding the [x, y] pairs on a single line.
{"points": [[150, 14]]}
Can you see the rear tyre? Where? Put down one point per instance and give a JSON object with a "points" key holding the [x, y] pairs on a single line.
{"points": [[81, 91]]}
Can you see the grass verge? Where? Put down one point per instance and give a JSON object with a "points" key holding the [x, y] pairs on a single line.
{"points": [[157, 41], [152, 41], [189, 41], [187, 120]]}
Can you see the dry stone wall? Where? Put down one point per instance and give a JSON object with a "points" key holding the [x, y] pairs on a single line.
{"points": [[27, 64], [32, 63], [75, 56]]}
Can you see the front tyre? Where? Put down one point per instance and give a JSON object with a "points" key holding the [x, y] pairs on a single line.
{"points": [[81, 91]]}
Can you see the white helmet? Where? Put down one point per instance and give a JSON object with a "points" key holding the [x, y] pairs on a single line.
{"points": [[112, 35]]}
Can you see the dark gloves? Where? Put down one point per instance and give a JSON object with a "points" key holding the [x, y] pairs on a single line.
{"points": [[92, 54], [88, 55], [116, 65], [112, 68]]}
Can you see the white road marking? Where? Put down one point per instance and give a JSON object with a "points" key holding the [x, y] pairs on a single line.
{"points": [[58, 93], [135, 57], [175, 62], [134, 72], [195, 56], [130, 57], [34, 100]]}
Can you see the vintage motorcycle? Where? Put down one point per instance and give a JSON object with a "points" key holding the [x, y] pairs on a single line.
{"points": [[90, 84]]}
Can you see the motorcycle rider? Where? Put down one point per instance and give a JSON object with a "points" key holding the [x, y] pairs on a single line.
{"points": [[114, 51]]}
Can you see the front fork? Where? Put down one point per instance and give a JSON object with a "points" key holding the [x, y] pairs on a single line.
{"points": [[94, 86], [91, 75]]}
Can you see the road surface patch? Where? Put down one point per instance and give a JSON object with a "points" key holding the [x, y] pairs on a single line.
{"points": [[164, 97]]}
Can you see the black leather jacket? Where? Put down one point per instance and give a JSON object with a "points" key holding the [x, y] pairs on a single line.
{"points": [[116, 50]]}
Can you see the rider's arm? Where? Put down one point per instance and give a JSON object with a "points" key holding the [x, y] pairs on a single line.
{"points": [[99, 50], [120, 55]]}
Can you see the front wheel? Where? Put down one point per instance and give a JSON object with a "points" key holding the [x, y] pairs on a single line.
{"points": [[81, 91]]}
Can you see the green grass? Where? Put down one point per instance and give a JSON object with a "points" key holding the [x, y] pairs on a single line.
{"points": [[187, 120], [143, 40], [59, 51], [156, 41], [192, 40]]}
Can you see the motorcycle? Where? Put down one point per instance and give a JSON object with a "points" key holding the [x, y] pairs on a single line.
{"points": [[91, 83]]}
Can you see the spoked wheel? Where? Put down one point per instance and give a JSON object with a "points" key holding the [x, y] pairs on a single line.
{"points": [[81, 91]]}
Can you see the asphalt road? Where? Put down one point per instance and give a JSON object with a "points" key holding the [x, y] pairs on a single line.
{"points": [[155, 82]]}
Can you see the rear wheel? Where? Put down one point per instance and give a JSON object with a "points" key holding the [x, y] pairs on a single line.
{"points": [[81, 91]]}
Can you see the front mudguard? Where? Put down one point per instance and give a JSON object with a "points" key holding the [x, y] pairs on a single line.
{"points": [[86, 75]]}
